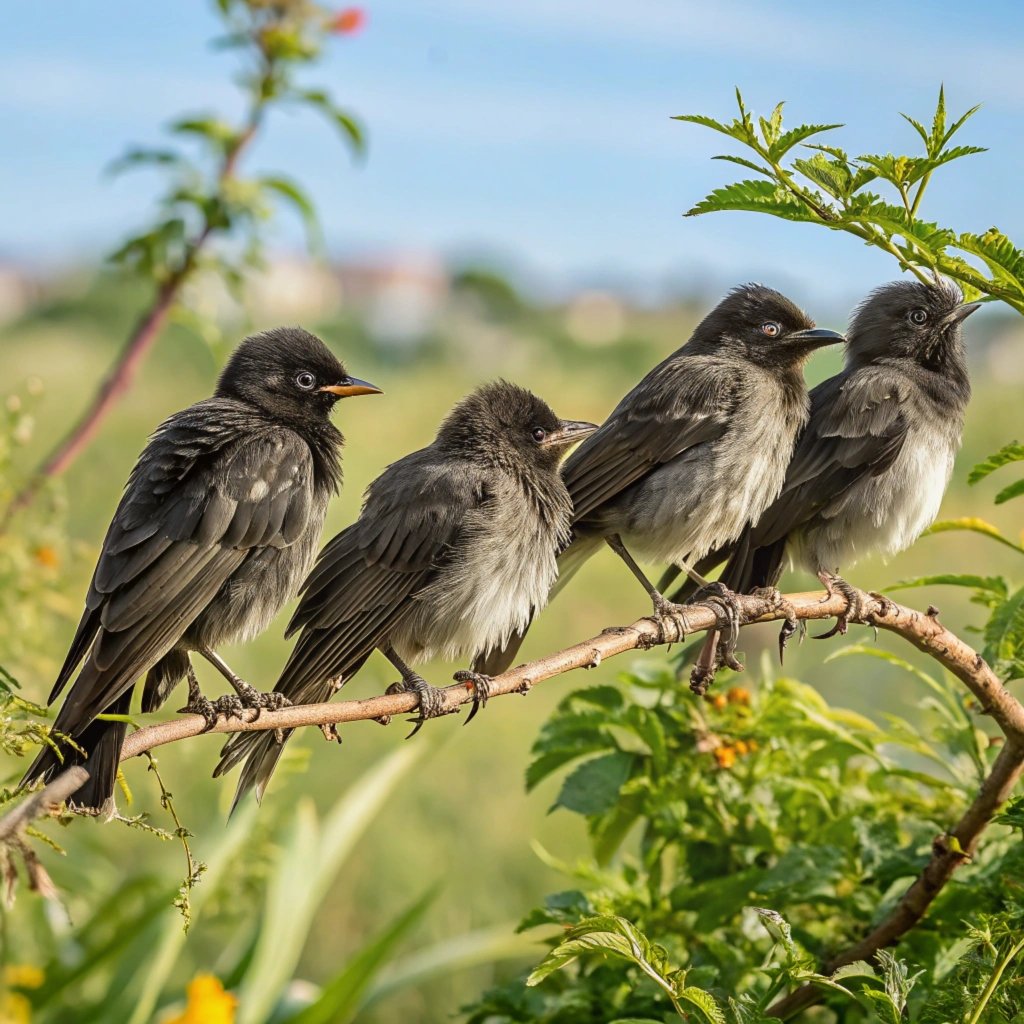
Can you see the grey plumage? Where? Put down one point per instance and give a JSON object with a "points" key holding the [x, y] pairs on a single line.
{"points": [[453, 550], [869, 472], [217, 526], [700, 446]]}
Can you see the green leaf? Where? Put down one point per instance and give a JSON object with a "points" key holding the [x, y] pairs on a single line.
{"points": [[795, 136], [1004, 638], [350, 128], [882, 1005], [990, 584], [918, 127], [594, 786], [291, 193], [749, 164], [1012, 452], [972, 524], [834, 176], [1001, 256], [704, 1002], [607, 934], [735, 129], [212, 129], [1015, 490], [341, 998], [143, 157], [778, 928], [756, 197]]}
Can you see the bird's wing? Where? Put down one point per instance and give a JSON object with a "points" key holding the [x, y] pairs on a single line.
{"points": [[681, 403], [360, 587], [857, 429], [201, 499]]}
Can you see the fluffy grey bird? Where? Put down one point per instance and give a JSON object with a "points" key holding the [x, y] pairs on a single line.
{"points": [[219, 523], [869, 471], [454, 549], [698, 449]]}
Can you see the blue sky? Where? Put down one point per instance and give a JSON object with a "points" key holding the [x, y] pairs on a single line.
{"points": [[537, 132]]}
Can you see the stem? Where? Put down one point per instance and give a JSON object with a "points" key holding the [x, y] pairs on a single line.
{"points": [[922, 185], [993, 982], [122, 374]]}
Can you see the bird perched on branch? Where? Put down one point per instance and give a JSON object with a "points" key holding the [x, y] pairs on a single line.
{"points": [[698, 449], [870, 469], [218, 525], [454, 549]]}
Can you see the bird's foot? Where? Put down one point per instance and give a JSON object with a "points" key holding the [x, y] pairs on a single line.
{"points": [[330, 731], [669, 615], [252, 699], [835, 584], [201, 705], [726, 606], [790, 624], [481, 687], [431, 700]]}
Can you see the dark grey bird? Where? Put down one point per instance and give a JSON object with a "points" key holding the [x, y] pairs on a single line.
{"points": [[870, 469], [455, 548], [698, 449], [218, 525]]}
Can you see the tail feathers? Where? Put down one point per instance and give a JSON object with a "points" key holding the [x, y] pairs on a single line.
{"points": [[262, 751], [100, 753], [570, 561], [162, 678]]}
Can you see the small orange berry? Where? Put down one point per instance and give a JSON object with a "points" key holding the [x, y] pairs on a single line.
{"points": [[725, 756], [738, 695], [742, 747], [718, 701], [348, 21]]}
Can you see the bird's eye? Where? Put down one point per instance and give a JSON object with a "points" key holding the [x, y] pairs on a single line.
{"points": [[306, 381], [538, 434], [918, 317], [770, 329]]}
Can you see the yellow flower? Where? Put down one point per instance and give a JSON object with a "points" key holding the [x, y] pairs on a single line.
{"points": [[23, 976], [207, 1003], [15, 1009]]}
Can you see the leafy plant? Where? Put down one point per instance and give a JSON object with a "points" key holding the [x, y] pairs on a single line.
{"points": [[822, 184]]}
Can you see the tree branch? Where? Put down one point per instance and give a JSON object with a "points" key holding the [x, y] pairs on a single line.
{"points": [[922, 629]]}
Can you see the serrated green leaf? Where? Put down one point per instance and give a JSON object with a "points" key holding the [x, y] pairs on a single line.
{"points": [[1012, 452], [1001, 256], [1004, 637], [704, 1002], [918, 127], [593, 787], [972, 524], [882, 1005], [834, 176], [756, 197], [795, 136], [746, 163]]}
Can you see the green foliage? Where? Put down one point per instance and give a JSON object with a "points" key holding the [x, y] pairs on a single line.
{"points": [[207, 198], [746, 802], [830, 188]]}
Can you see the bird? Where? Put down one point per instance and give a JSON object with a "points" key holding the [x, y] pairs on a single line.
{"points": [[218, 525], [872, 465], [696, 450], [455, 547]]}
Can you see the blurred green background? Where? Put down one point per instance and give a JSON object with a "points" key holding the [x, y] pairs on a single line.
{"points": [[460, 819]]}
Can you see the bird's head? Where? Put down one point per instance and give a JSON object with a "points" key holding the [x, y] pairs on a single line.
{"points": [[505, 424], [762, 326], [911, 320], [290, 374]]}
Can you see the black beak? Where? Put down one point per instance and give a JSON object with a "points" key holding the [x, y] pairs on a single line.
{"points": [[568, 432], [816, 337], [962, 312], [348, 387]]}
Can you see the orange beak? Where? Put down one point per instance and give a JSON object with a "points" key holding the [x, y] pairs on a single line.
{"points": [[352, 386]]}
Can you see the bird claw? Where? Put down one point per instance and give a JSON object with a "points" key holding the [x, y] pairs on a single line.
{"points": [[667, 612], [200, 705], [330, 731], [252, 699], [854, 607], [481, 687], [431, 704]]}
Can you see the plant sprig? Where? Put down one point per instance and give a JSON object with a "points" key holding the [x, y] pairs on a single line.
{"points": [[829, 187]]}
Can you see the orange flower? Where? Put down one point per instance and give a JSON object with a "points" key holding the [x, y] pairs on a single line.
{"points": [[47, 557], [738, 695], [348, 21], [718, 701], [207, 1003], [742, 747], [725, 756]]}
